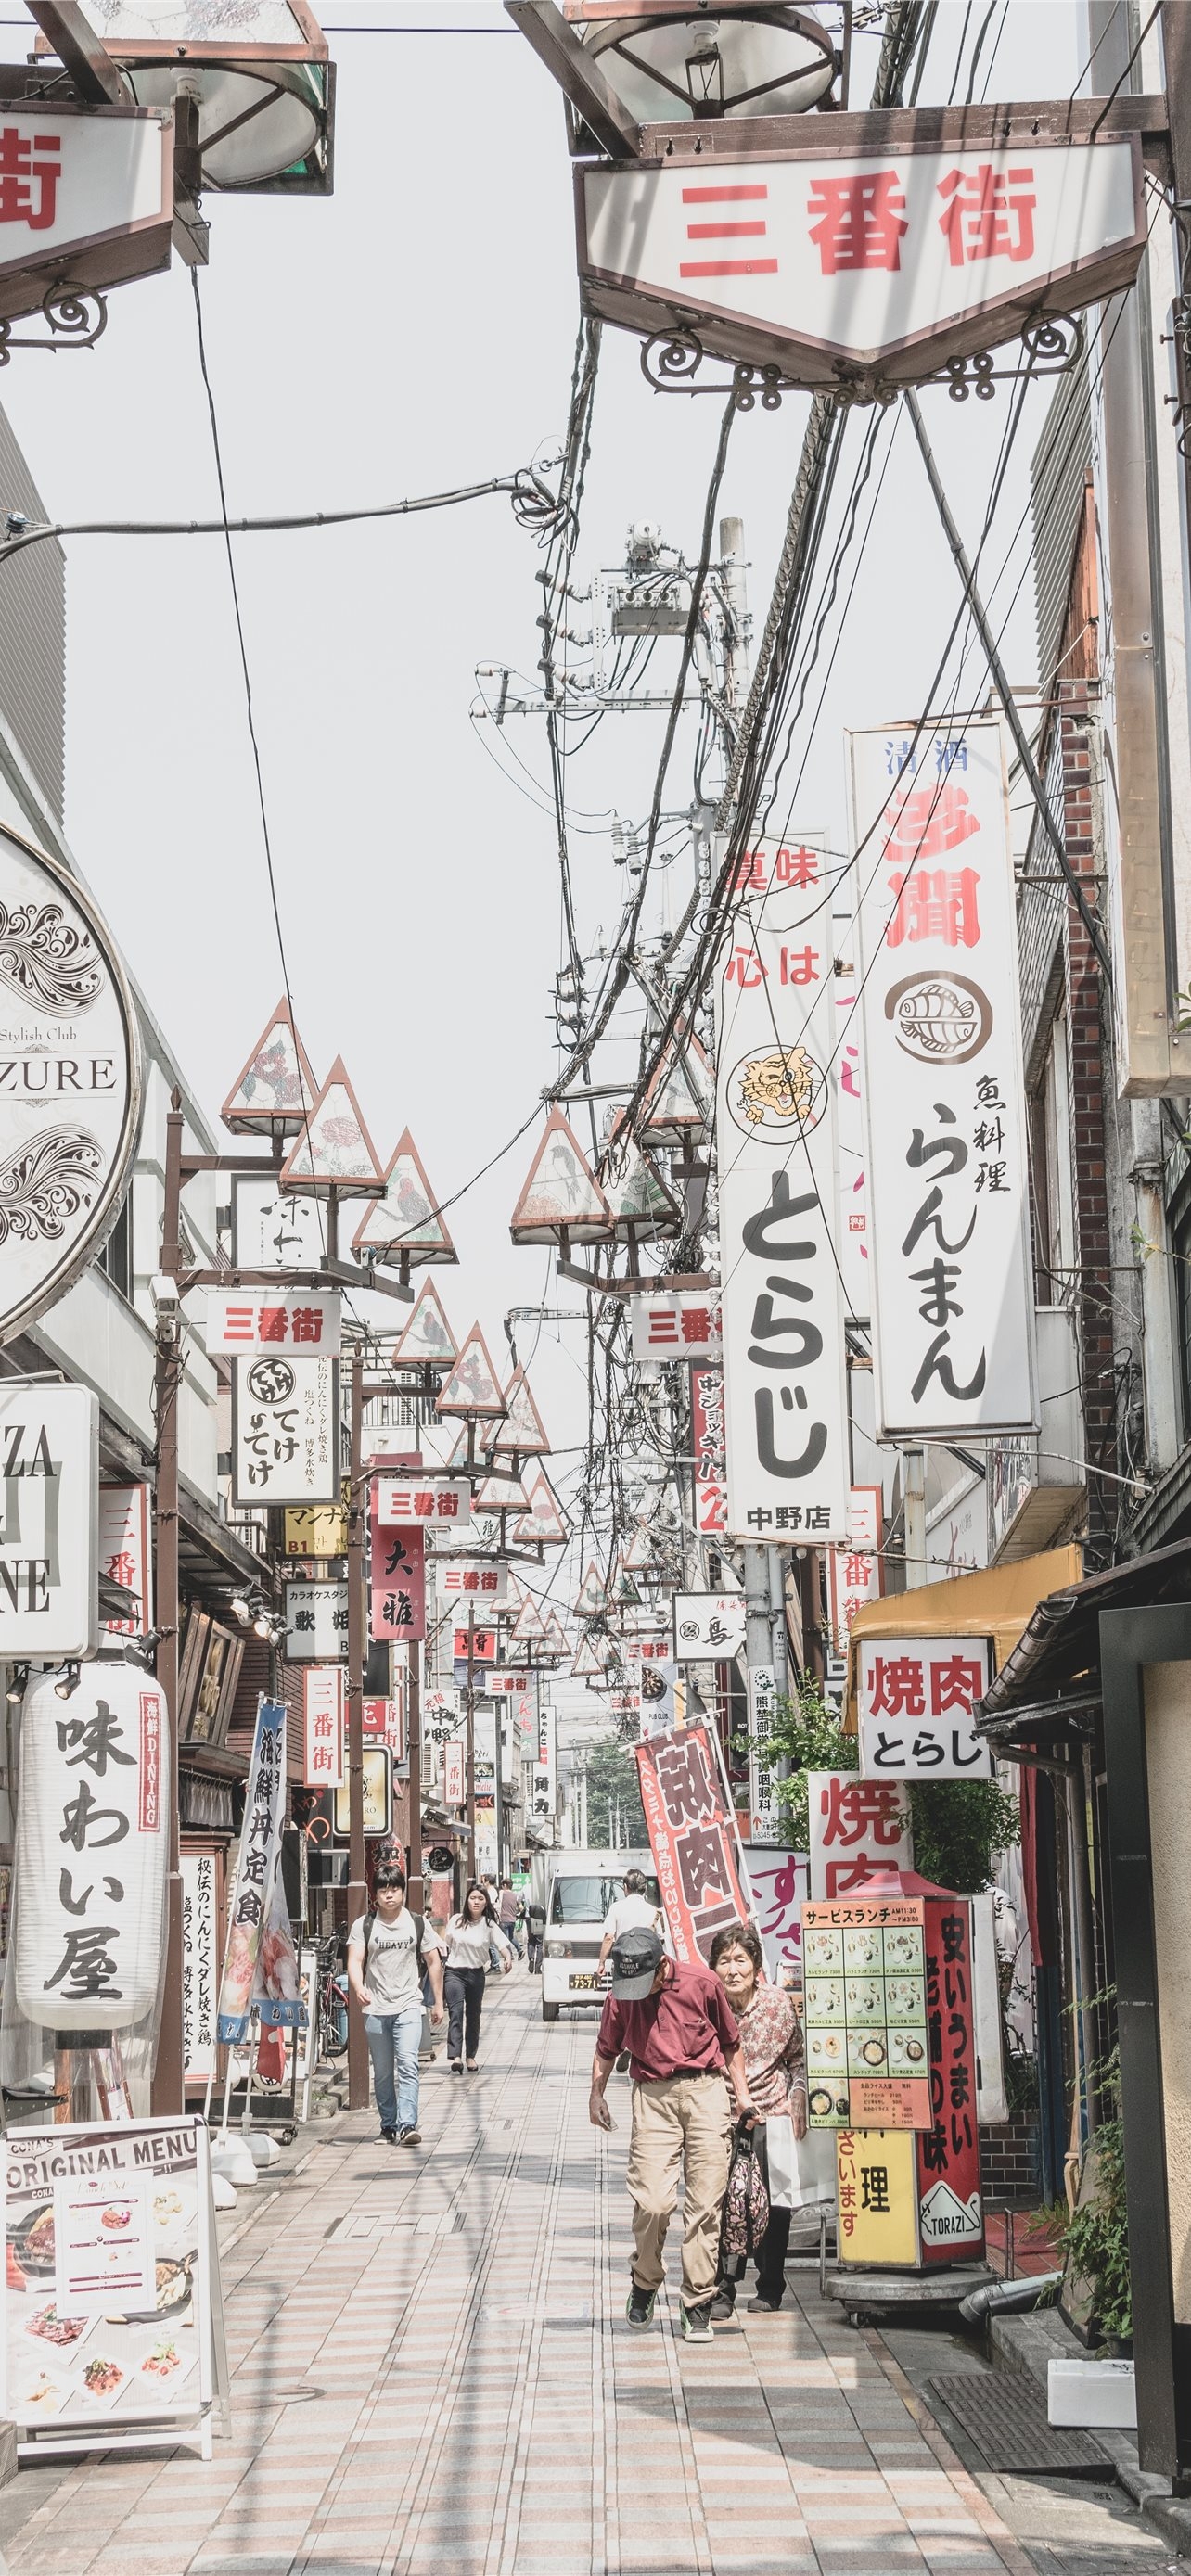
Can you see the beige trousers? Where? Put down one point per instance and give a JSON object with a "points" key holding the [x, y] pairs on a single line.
{"points": [[681, 2125]]}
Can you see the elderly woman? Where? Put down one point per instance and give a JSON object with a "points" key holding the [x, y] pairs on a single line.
{"points": [[771, 2037]]}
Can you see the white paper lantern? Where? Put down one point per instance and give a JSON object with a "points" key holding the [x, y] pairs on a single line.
{"points": [[92, 1850]]}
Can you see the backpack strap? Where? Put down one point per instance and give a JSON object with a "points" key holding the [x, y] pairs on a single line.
{"points": [[369, 1926]]}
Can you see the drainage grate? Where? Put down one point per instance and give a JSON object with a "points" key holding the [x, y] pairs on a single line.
{"points": [[1004, 2414]]}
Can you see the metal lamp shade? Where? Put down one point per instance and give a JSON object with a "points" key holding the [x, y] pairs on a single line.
{"points": [[257, 123], [666, 63], [92, 1850]]}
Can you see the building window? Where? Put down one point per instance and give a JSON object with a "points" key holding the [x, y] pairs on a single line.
{"points": [[115, 1260]]}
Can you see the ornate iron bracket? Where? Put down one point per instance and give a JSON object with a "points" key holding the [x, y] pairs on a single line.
{"points": [[77, 317], [1050, 344]]}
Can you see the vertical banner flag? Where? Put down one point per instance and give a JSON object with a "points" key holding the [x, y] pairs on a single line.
{"points": [[856, 1571], [692, 1838], [260, 1967], [953, 1300], [782, 1298]]}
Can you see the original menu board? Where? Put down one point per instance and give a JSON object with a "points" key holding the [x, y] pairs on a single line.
{"points": [[867, 2064], [112, 2318]]}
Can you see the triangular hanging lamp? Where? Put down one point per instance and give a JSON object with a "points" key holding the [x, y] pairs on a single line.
{"points": [[473, 1385], [523, 1429], [405, 1224], [562, 1198], [500, 1494], [586, 1662], [678, 1103], [556, 1634], [641, 1550], [276, 1088], [530, 1625], [334, 1150], [542, 1524], [427, 1341], [642, 1207], [626, 1591], [593, 1594]]}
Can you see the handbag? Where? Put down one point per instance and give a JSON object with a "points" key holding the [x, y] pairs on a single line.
{"points": [[746, 2200], [801, 2170]]}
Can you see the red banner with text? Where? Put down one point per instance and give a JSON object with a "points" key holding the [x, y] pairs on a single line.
{"points": [[692, 1838]]}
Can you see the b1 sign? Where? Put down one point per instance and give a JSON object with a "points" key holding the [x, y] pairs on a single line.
{"points": [[916, 1699], [880, 264]]}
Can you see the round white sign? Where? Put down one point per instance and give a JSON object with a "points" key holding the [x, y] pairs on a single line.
{"points": [[70, 1082]]}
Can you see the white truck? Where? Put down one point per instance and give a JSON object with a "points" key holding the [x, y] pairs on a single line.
{"points": [[580, 1887]]}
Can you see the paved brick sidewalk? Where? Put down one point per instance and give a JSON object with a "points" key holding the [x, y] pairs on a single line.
{"points": [[431, 2370]]}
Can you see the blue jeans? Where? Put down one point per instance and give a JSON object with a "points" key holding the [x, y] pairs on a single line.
{"points": [[393, 2047]]}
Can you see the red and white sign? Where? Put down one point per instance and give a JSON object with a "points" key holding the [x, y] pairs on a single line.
{"points": [[859, 1828], [780, 1883], [886, 260], [950, 2210], [692, 1838], [482, 1642], [259, 1320], [503, 1685], [916, 1696], [397, 1581], [323, 1706], [486, 1585], [82, 196], [856, 1571], [125, 1554], [427, 1502], [707, 1442], [952, 1275], [454, 1773], [676, 1324], [384, 1723]]}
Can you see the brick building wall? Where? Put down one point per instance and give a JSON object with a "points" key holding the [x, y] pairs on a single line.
{"points": [[1010, 2166]]}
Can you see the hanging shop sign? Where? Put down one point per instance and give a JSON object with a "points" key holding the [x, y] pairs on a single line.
{"points": [[652, 1661], [126, 1555], [454, 1784], [762, 1716], [274, 1230], [200, 1933], [112, 2323], [317, 1530], [285, 1430], [916, 1697], [856, 1571], [858, 1829], [543, 1793], [485, 1584], [779, 1880], [692, 1836], [266, 1320], [382, 1721], [396, 1581], [782, 1300], [878, 2198], [953, 1295], [848, 1072], [862, 264], [481, 1642], [864, 2014], [260, 1966], [378, 1795], [504, 1685], [676, 1324], [70, 1057], [49, 1476], [92, 1850], [707, 1445], [316, 1620], [708, 1626], [89, 199], [323, 1720], [423, 1502]]}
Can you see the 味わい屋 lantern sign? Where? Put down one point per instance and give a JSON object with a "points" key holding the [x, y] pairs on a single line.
{"points": [[873, 263], [92, 1845], [86, 202]]}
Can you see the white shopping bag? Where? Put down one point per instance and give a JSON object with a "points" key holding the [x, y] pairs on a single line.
{"points": [[801, 2170]]}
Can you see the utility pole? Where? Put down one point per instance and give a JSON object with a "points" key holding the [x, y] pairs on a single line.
{"points": [[414, 1755], [471, 1736], [169, 2071], [738, 633], [914, 1516], [357, 1648]]}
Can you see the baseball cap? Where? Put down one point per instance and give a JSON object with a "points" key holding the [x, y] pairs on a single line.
{"points": [[636, 1958]]}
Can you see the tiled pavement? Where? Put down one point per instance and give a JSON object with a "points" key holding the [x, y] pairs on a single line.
{"points": [[431, 2371]]}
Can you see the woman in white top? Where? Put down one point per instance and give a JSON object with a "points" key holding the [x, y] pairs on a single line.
{"points": [[467, 1941]]}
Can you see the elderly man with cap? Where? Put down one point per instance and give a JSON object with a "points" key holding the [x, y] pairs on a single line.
{"points": [[680, 2034]]}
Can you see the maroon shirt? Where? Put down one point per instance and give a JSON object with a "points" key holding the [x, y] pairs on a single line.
{"points": [[687, 2028]]}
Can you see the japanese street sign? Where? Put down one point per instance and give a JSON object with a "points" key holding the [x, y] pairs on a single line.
{"points": [[397, 1581], [848, 1074], [260, 1966], [126, 1555], [285, 1430], [404, 1224], [484, 1583], [199, 1938], [274, 1230], [423, 1501], [323, 1711], [916, 1697], [271, 1319], [762, 1712], [333, 1149], [440, 1712], [855, 1571], [70, 1059], [276, 1088], [692, 1837], [383, 1722], [657, 1673], [543, 1792], [316, 1618], [950, 2209], [708, 1626], [561, 1195], [782, 1302], [953, 1296], [483, 1645], [317, 1530], [858, 1828], [91, 1850], [49, 1484], [378, 1795], [865, 2014], [780, 1884], [510, 1685], [877, 264], [85, 197], [878, 2197], [427, 1341], [454, 1782], [707, 1441], [676, 1323]]}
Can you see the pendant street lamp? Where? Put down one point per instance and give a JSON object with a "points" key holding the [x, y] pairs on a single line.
{"points": [[256, 77], [665, 59]]}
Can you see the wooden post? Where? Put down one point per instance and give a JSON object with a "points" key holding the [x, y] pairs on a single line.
{"points": [[357, 1647], [414, 1752], [169, 2070]]}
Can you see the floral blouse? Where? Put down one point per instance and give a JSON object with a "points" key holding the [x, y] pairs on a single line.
{"points": [[771, 2037]]}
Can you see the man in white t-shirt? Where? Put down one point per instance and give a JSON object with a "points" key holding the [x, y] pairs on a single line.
{"points": [[387, 1951], [632, 1912]]}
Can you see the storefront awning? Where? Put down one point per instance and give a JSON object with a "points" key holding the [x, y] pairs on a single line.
{"points": [[1050, 1683], [997, 1603]]}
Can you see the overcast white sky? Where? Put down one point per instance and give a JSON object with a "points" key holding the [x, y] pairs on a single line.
{"points": [[416, 331]]}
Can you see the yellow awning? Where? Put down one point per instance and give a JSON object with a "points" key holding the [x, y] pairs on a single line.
{"points": [[996, 1603]]}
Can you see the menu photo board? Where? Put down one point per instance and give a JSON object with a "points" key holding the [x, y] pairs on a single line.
{"points": [[113, 2322], [867, 2049]]}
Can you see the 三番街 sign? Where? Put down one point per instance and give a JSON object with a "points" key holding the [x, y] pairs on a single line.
{"points": [[70, 1074], [86, 199]]}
